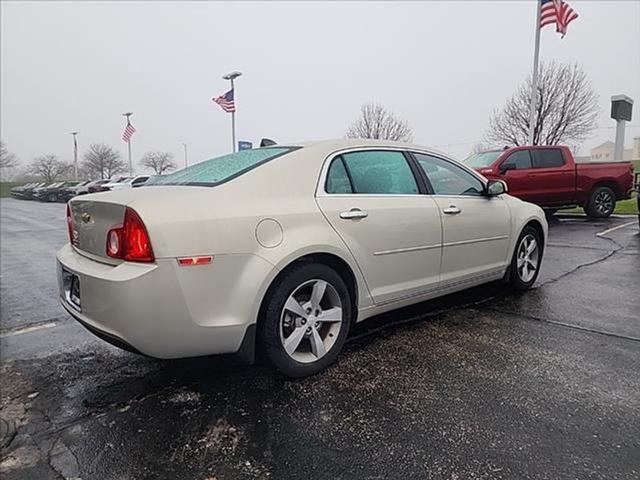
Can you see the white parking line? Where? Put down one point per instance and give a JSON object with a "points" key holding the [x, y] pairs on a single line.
{"points": [[22, 331], [609, 230]]}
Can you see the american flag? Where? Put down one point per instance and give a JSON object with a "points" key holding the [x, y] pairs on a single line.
{"points": [[129, 130], [226, 101], [558, 12]]}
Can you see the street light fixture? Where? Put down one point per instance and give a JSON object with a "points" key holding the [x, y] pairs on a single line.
{"points": [[231, 77]]}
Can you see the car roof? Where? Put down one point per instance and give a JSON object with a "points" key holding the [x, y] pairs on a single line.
{"points": [[332, 145]]}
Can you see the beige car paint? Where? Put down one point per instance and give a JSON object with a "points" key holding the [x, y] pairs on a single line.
{"points": [[169, 311]]}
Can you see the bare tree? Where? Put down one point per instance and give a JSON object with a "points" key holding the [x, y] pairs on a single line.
{"points": [[102, 161], [160, 162], [378, 123], [566, 109], [49, 167], [7, 159]]}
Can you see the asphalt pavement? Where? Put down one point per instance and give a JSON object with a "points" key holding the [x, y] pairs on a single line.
{"points": [[483, 384]]}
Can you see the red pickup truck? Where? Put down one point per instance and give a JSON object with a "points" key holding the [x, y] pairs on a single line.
{"points": [[548, 176]]}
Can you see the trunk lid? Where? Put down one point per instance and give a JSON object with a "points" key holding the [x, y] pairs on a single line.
{"points": [[92, 220]]}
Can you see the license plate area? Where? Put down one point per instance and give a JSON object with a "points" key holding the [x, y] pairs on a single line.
{"points": [[71, 289]]}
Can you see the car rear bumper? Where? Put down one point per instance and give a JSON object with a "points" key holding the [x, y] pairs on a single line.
{"points": [[163, 310]]}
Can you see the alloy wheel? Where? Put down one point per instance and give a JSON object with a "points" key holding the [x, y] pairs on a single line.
{"points": [[310, 321], [604, 203], [528, 258]]}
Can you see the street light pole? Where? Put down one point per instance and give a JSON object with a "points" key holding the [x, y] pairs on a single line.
{"points": [[231, 77], [186, 162], [128, 114], [75, 155]]}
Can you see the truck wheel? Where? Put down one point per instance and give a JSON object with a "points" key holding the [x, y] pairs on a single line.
{"points": [[602, 203]]}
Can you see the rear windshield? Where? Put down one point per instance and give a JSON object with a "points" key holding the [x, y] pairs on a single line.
{"points": [[482, 159], [221, 169]]}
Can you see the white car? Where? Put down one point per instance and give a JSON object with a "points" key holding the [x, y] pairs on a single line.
{"points": [[284, 248], [128, 182]]}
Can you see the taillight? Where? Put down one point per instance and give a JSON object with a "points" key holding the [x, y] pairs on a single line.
{"points": [[130, 241], [70, 224]]}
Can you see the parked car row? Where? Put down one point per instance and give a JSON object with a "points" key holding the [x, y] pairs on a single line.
{"points": [[65, 191]]}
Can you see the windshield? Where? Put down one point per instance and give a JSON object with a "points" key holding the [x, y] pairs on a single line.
{"points": [[482, 159], [221, 169]]}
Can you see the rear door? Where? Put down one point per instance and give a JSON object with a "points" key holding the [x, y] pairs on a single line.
{"points": [[476, 228], [552, 178], [373, 200]]}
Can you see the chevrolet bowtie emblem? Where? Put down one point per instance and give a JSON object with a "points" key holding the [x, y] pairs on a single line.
{"points": [[86, 217]]}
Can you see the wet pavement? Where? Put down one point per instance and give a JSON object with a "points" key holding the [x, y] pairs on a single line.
{"points": [[480, 384]]}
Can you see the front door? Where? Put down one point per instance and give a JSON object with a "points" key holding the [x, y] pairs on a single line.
{"points": [[476, 228], [371, 198]]}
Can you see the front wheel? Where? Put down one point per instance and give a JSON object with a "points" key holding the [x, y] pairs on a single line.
{"points": [[527, 256], [601, 203], [306, 319]]}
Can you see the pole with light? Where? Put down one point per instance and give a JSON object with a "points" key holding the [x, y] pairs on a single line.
{"points": [[128, 115], [75, 155], [231, 77], [186, 162]]}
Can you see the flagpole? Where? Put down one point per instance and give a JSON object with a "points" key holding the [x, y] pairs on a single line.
{"points": [[233, 120], [534, 75], [128, 114], [75, 155]]}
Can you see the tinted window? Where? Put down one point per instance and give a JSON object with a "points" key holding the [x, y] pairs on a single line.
{"points": [[382, 172], [547, 158], [520, 158], [447, 178], [220, 169], [337, 178], [140, 180]]}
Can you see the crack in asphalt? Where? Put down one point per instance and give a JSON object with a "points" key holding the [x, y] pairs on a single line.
{"points": [[586, 264], [564, 324]]}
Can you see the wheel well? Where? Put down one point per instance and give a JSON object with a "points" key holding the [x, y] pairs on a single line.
{"points": [[612, 185], [341, 267], [535, 224]]}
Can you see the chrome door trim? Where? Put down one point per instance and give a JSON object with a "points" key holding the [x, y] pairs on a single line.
{"points": [[406, 249], [475, 240]]}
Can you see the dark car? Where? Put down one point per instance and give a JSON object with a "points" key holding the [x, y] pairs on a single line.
{"points": [[68, 192], [31, 192], [18, 191], [53, 192], [41, 193]]}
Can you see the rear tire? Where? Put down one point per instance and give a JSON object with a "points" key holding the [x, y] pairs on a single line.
{"points": [[309, 311], [601, 203], [53, 197], [526, 260]]}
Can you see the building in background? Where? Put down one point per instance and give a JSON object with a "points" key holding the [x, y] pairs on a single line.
{"points": [[604, 152]]}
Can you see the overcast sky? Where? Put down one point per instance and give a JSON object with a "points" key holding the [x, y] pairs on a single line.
{"points": [[307, 67]]}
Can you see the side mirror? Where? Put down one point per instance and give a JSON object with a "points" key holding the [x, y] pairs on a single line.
{"points": [[496, 187], [505, 167]]}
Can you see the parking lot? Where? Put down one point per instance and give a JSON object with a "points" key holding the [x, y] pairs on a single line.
{"points": [[480, 384]]}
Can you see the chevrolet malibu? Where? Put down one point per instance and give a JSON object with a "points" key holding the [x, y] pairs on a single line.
{"points": [[282, 249]]}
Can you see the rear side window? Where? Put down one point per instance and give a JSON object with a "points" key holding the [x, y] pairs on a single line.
{"points": [[547, 158], [220, 169], [520, 158], [379, 172]]}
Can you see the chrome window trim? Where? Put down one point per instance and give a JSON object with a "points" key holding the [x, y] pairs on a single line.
{"points": [[322, 179]]}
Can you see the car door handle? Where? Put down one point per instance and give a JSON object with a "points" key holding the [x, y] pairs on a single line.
{"points": [[354, 213], [451, 210]]}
